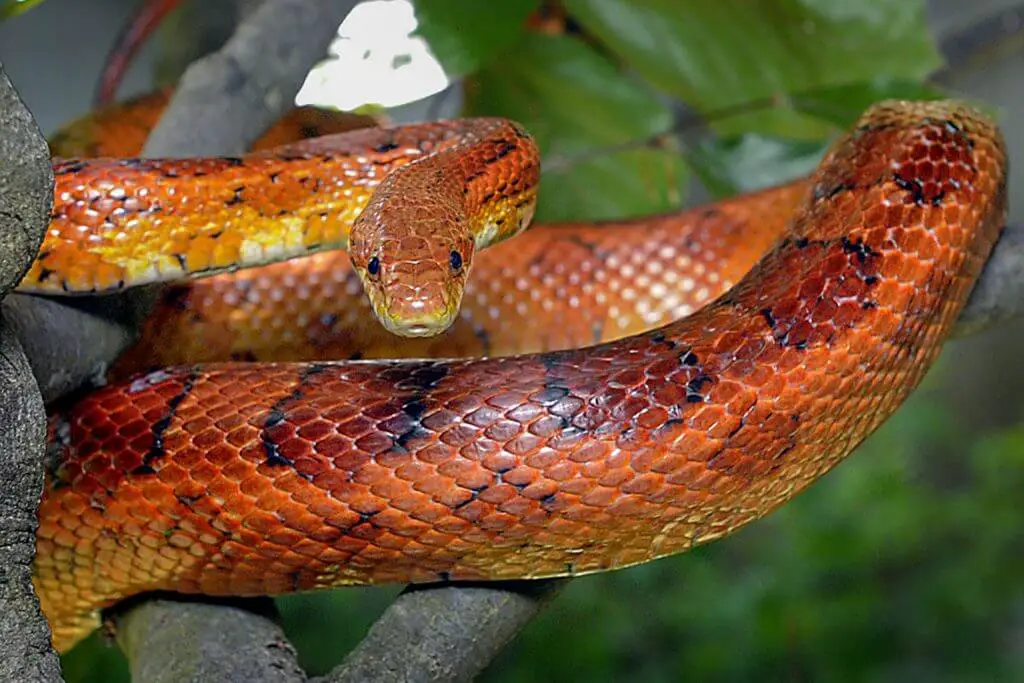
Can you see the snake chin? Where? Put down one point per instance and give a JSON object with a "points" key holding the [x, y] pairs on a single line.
{"points": [[416, 319], [416, 327]]}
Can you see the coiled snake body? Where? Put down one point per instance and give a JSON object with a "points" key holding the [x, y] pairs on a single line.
{"points": [[263, 478]]}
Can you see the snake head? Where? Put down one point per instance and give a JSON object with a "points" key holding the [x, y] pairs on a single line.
{"points": [[415, 279]]}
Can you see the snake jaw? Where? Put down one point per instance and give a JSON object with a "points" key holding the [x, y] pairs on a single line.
{"points": [[415, 300]]}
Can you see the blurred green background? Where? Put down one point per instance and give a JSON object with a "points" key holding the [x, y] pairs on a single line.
{"points": [[904, 563]]}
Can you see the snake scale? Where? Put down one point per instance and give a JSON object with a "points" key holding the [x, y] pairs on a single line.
{"points": [[262, 478]]}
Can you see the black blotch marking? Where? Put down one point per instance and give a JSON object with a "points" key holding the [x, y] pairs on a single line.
{"points": [[182, 261], [859, 249], [274, 176], [828, 192], [869, 304], [233, 161], [660, 338], [580, 242], [308, 131], [444, 577], [689, 358], [549, 499], [248, 356], [665, 427], [277, 415], [70, 166], [484, 337], [328, 320], [953, 129], [871, 280], [365, 517], [549, 360], [472, 497], [187, 501], [912, 186], [423, 378], [769, 318], [45, 273], [157, 449], [385, 147], [552, 394], [414, 408], [358, 355], [802, 242], [694, 388], [236, 197], [504, 149]]}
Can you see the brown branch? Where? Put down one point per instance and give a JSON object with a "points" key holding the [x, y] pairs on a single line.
{"points": [[444, 633], [172, 640], [239, 91], [26, 194], [981, 42], [998, 297]]}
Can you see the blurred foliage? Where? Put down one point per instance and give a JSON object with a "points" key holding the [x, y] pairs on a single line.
{"points": [[905, 562], [10, 8]]}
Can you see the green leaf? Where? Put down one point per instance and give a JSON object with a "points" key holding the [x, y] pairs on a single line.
{"points": [[466, 35], [752, 162], [717, 55], [843, 104], [614, 185], [12, 8], [592, 124]]}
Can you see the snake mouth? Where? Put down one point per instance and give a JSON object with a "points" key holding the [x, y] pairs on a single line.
{"points": [[421, 327], [413, 318]]}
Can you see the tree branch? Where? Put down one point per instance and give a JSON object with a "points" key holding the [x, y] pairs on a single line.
{"points": [[998, 297], [444, 633], [242, 89], [173, 640], [26, 194]]}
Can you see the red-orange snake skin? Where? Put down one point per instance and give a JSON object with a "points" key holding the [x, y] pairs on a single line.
{"points": [[263, 478]]}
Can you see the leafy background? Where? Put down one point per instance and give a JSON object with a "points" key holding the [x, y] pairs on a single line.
{"points": [[906, 561]]}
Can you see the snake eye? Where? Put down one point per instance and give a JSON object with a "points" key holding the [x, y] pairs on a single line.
{"points": [[455, 260], [373, 267]]}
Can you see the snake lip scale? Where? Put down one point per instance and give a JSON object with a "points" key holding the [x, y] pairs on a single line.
{"points": [[263, 478]]}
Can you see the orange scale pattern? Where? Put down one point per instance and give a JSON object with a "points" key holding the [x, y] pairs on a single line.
{"points": [[263, 478]]}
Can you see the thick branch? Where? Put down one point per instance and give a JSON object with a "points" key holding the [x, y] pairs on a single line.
{"points": [[444, 633], [25, 198], [239, 91], [168, 641], [999, 295]]}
